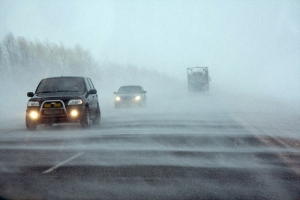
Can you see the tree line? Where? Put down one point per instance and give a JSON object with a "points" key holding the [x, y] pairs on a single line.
{"points": [[22, 60], [19, 55]]}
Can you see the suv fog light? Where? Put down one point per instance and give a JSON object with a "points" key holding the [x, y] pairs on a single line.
{"points": [[74, 113], [33, 114]]}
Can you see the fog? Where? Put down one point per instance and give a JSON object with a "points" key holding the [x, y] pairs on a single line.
{"points": [[224, 142], [251, 48]]}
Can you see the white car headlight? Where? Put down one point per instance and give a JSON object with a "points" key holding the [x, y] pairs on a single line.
{"points": [[118, 98], [33, 103], [137, 98], [75, 102]]}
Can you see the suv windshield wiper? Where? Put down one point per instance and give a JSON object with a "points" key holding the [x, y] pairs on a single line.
{"points": [[55, 91], [46, 92], [67, 91]]}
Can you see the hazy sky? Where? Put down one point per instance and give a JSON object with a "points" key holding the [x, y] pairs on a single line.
{"points": [[234, 38]]}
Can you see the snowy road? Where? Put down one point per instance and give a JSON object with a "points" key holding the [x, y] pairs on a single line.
{"points": [[218, 149]]}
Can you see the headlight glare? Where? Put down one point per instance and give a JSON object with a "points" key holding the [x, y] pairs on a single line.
{"points": [[74, 113], [75, 102], [137, 98], [118, 98], [33, 114], [33, 103]]}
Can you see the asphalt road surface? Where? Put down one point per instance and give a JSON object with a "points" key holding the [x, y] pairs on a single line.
{"points": [[198, 147]]}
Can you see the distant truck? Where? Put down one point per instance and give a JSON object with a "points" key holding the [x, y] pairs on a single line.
{"points": [[198, 79]]}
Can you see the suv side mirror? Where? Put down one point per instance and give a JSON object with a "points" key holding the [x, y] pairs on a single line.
{"points": [[115, 93], [93, 91], [30, 94]]}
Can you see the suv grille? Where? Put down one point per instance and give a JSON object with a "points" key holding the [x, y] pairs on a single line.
{"points": [[53, 107]]}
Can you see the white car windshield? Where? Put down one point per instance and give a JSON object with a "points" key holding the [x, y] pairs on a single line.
{"points": [[129, 90]]}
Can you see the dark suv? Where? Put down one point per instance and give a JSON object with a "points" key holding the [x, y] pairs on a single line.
{"points": [[62, 100]]}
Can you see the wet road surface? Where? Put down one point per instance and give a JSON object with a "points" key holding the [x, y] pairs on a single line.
{"points": [[150, 154]]}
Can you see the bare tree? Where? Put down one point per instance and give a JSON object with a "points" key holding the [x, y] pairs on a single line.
{"points": [[2, 61], [10, 46], [24, 52]]}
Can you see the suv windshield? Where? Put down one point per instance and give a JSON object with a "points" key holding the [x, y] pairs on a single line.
{"points": [[62, 84], [129, 90]]}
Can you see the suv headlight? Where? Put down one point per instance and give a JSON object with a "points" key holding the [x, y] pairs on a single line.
{"points": [[137, 98], [33, 103], [75, 102]]}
